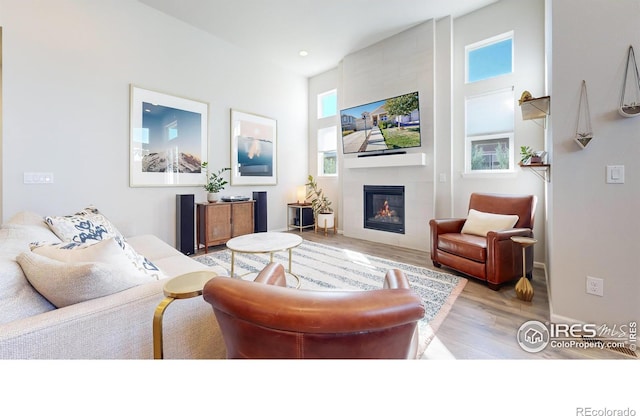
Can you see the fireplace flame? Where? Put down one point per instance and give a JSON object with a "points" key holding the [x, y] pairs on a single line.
{"points": [[385, 211]]}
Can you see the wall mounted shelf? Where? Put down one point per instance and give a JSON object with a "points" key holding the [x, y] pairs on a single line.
{"points": [[542, 170], [536, 108]]}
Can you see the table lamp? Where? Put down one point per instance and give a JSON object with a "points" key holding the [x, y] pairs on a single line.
{"points": [[301, 193]]}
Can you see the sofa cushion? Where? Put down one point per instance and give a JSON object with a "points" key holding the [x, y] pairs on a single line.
{"points": [[86, 225], [65, 284], [167, 258], [18, 299], [480, 223], [28, 218], [112, 250], [469, 246]]}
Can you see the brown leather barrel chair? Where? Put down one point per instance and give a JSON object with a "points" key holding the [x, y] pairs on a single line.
{"points": [[266, 319], [493, 258]]}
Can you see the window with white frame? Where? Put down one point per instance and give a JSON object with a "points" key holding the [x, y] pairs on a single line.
{"points": [[489, 124], [328, 104], [489, 108], [328, 136], [489, 58], [327, 151]]}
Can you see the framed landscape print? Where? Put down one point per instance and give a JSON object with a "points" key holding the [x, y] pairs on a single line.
{"points": [[253, 149], [168, 139]]}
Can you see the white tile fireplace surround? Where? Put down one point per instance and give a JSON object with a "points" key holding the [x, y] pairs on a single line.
{"points": [[419, 203]]}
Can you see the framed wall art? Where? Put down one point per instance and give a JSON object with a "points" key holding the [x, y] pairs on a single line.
{"points": [[168, 139], [253, 149]]}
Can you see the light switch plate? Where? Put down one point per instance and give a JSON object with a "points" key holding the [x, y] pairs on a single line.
{"points": [[38, 177], [615, 174]]}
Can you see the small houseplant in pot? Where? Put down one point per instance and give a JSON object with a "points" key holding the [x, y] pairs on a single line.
{"points": [[215, 182], [529, 156], [320, 204]]}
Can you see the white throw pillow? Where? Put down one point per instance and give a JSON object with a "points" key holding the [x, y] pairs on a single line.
{"points": [[112, 250], [65, 284], [480, 223]]}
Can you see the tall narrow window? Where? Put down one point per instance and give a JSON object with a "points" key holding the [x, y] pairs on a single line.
{"points": [[327, 151], [489, 132], [328, 104], [489, 58], [327, 138]]}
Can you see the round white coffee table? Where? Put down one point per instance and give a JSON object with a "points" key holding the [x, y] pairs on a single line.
{"points": [[259, 243]]}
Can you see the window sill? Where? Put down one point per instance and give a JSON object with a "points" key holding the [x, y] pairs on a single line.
{"points": [[510, 174]]}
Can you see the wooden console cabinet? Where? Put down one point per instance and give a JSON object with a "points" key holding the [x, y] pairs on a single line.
{"points": [[220, 221]]}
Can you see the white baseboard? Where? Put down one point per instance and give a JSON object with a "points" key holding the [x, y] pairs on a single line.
{"points": [[540, 265]]}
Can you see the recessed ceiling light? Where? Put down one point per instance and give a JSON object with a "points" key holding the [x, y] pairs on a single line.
{"points": [[303, 53]]}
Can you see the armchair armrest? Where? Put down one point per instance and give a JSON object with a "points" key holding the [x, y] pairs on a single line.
{"points": [[507, 234], [272, 274], [396, 279], [504, 257], [446, 225]]}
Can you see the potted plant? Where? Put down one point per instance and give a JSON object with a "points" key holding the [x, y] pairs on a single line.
{"points": [[215, 182], [320, 204], [529, 156]]}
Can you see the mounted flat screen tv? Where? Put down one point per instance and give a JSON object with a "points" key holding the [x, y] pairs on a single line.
{"points": [[382, 127]]}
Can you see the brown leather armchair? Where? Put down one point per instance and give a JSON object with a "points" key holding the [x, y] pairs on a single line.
{"points": [[494, 258], [265, 319]]}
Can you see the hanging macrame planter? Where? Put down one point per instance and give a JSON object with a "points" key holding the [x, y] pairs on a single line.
{"points": [[630, 109], [584, 133]]}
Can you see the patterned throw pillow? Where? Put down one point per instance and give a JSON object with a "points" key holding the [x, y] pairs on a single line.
{"points": [[112, 250], [86, 225]]}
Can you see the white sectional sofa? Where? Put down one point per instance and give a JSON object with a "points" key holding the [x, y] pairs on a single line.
{"points": [[99, 325]]}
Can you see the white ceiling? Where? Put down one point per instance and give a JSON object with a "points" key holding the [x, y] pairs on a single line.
{"points": [[328, 29]]}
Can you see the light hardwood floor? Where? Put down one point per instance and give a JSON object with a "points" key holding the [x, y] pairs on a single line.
{"points": [[482, 323]]}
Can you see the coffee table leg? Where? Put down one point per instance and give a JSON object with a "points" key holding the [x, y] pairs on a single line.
{"points": [[233, 262]]}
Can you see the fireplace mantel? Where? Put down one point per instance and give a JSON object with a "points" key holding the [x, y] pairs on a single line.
{"points": [[383, 161]]}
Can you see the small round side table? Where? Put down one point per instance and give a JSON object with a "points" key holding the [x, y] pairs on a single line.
{"points": [[188, 285], [524, 290]]}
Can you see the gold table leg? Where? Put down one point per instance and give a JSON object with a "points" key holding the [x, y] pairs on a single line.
{"points": [[292, 273], [524, 289], [158, 353]]}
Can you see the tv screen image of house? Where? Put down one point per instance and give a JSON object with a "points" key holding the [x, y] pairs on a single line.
{"points": [[382, 126]]}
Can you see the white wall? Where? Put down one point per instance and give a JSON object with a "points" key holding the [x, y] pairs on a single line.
{"points": [[67, 69], [593, 225], [526, 19], [443, 140], [1, 112]]}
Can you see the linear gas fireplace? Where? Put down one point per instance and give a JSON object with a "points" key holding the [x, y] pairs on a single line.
{"points": [[384, 208]]}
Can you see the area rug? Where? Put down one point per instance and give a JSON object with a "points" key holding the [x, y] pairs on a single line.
{"points": [[322, 267]]}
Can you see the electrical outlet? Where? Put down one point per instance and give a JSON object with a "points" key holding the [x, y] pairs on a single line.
{"points": [[595, 286]]}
